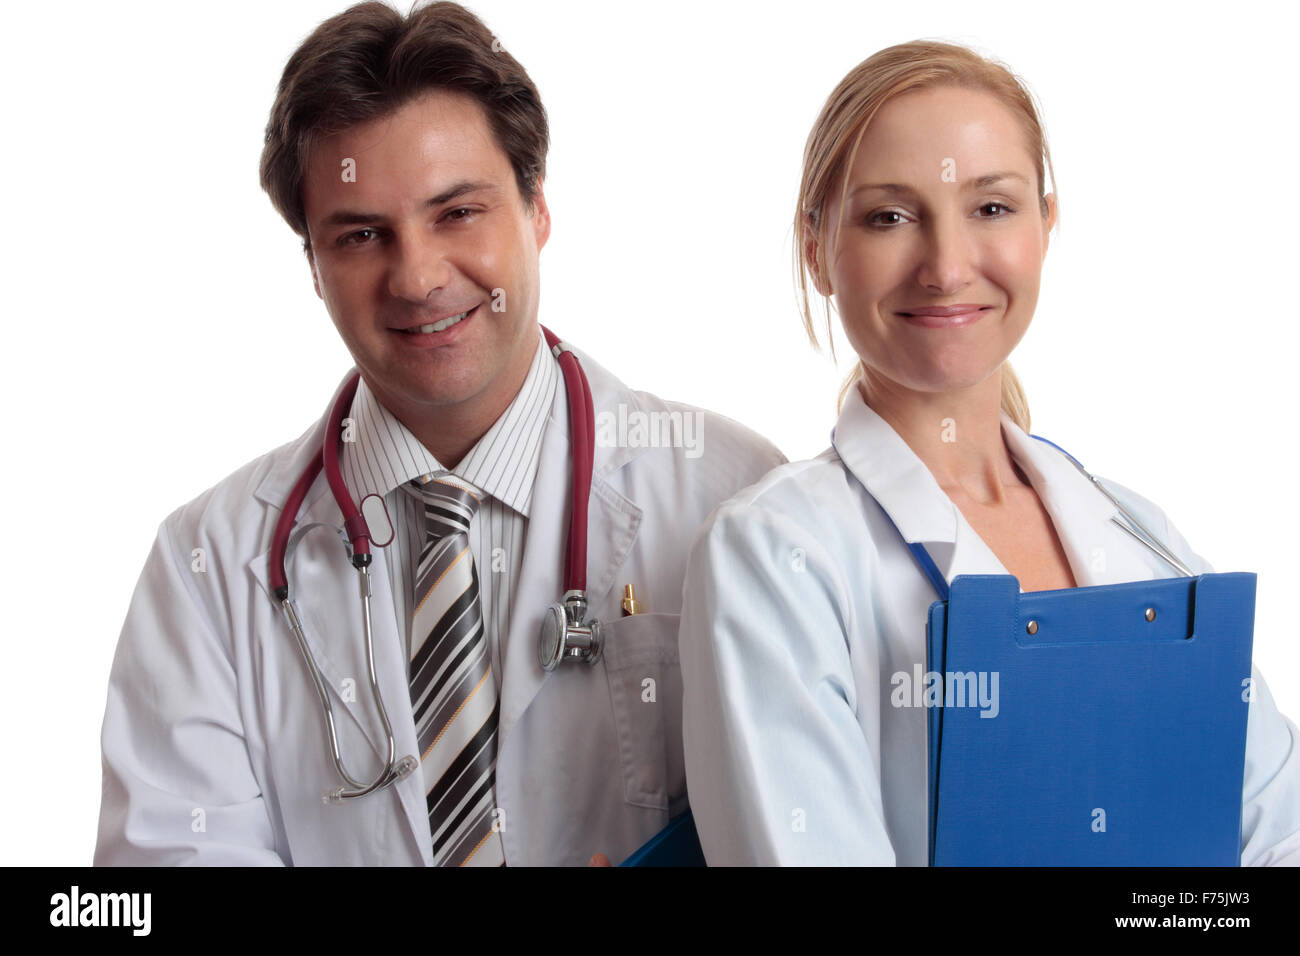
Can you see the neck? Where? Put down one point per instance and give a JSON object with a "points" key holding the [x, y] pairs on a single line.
{"points": [[450, 431], [956, 434]]}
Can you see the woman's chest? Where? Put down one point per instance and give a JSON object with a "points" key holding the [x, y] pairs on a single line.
{"points": [[1020, 534]]}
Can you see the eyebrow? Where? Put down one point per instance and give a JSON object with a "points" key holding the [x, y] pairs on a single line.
{"points": [[351, 217], [979, 182]]}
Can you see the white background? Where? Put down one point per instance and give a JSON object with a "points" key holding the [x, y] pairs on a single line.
{"points": [[161, 328]]}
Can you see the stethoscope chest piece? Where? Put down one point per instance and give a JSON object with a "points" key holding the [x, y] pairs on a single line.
{"points": [[566, 636]]}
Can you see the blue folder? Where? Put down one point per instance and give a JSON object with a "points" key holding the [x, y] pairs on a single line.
{"points": [[1117, 740], [675, 845]]}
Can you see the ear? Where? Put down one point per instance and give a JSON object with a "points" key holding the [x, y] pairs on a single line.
{"points": [[813, 256], [1049, 220], [541, 217]]}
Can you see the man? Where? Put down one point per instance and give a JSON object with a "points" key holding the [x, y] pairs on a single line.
{"points": [[409, 155]]}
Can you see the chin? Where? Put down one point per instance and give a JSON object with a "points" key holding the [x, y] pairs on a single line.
{"points": [[434, 389], [950, 380]]}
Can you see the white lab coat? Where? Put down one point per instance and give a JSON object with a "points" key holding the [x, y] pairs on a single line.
{"points": [[213, 741], [802, 602]]}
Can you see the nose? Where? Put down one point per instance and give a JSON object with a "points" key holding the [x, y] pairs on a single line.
{"points": [[947, 257], [419, 266]]}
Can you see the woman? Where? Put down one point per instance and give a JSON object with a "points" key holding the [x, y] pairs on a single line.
{"points": [[923, 212]]}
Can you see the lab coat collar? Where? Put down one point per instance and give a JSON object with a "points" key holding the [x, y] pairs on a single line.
{"points": [[892, 474], [1098, 551]]}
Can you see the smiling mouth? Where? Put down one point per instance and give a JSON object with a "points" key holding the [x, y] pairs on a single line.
{"points": [[946, 311], [947, 317], [440, 325]]}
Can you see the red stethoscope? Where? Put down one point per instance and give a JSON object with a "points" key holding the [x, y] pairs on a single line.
{"points": [[566, 634]]}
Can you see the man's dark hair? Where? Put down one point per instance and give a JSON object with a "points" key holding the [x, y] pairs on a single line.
{"points": [[369, 61]]}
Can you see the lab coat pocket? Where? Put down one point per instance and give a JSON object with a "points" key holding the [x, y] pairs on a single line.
{"points": [[645, 686]]}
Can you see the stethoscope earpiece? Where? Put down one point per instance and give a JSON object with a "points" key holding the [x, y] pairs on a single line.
{"points": [[379, 524]]}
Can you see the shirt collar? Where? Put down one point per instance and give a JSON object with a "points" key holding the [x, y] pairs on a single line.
{"points": [[503, 463]]}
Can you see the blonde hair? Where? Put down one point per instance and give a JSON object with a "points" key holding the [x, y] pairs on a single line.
{"points": [[833, 144]]}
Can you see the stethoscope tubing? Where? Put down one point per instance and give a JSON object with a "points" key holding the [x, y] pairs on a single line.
{"points": [[357, 534], [582, 425]]}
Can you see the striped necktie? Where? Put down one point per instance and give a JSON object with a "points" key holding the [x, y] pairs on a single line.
{"points": [[453, 691]]}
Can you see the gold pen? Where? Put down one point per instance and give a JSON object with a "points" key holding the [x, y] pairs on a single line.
{"points": [[630, 605]]}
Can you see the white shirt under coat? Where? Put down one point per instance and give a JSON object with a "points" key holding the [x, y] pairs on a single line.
{"points": [[802, 601], [385, 456]]}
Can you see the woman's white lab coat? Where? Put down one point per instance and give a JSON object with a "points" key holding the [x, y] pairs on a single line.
{"points": [[801, 602]]}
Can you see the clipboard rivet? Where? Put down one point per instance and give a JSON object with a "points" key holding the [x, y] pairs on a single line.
{"points": [[1151, 614], [1032, 627]]}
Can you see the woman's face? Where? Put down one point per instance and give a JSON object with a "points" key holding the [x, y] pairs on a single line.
{"points": [[935, 271]]}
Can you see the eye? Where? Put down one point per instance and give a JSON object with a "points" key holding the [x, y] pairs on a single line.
{"points": [[1000, 209], [355, 238], [460, 214], [885, 218]]}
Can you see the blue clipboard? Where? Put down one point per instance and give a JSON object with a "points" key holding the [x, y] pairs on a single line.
{"points": [[675, 845], [1118, 740]]}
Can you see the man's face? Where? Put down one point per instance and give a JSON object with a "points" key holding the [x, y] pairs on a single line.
{"points": [[416, 220]]}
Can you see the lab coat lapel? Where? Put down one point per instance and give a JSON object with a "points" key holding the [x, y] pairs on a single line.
{"points": [[1099, 552], [905, 490], [613, 519], [612, 523], [540, 572], [325, 590]]}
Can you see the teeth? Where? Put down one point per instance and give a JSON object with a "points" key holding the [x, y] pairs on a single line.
{"points": [[439, 326]]}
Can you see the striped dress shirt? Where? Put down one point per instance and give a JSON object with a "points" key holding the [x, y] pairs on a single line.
{"points": [[502, 464]]}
